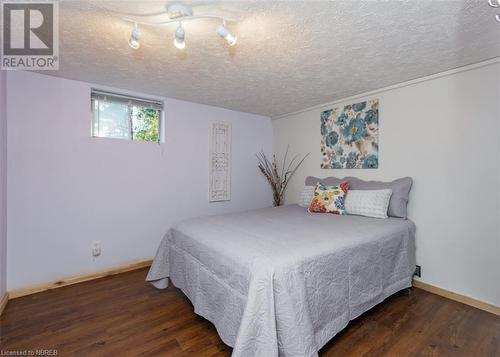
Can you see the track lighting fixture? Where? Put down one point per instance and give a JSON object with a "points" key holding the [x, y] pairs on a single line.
{"points": [[226, 35], [177, 13], [134, 38], [179, 41]]}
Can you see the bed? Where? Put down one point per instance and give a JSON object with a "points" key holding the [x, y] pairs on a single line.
{"points": [[282, 281]]}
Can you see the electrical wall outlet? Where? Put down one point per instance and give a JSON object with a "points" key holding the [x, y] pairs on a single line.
{"points": [[96, 248], [418, 271]]}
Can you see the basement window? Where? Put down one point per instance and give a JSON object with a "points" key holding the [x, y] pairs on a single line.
{"points": [[120, 116]]}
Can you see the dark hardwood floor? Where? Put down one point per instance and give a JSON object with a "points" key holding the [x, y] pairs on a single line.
{"points": [[122, 315]]}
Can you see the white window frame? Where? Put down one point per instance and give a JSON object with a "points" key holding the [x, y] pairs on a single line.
{"points": [[97, 94]]}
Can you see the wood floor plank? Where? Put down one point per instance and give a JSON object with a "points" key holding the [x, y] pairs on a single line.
{"points": [[122, 315]]}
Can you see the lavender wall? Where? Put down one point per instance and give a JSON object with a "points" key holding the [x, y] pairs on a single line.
{"points": [[67, 189], [3, 184]]}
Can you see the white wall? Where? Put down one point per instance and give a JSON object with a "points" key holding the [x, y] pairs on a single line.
{"points": [[67, 189], [444, 133], [3, 184]]}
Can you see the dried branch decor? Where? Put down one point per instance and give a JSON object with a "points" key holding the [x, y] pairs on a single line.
{"points": [[278, 179]]}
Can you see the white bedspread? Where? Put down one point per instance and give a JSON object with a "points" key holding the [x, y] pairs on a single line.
{"points": [[282, 281]]}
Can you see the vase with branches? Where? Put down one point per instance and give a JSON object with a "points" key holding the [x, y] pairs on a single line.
{"points": [[278, 178]]}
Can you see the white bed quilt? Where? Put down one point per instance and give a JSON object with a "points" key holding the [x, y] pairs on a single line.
{"points": [[282, 281]]}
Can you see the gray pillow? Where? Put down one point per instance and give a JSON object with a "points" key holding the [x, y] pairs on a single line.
{"points": [[400, 190]]}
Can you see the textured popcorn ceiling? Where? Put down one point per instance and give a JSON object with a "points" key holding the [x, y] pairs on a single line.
{"points": [[289, 55]]}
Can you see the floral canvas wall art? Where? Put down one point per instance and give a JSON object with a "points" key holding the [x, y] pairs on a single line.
{"points": [[349, 136]]}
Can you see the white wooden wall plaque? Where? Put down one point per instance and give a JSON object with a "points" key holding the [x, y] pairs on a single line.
{"points": [[220, 162]]}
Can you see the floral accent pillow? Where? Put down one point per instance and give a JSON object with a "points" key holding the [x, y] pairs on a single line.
{"points": [[329, 199]]}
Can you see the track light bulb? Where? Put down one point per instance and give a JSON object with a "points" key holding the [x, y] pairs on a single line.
{"points": [[134, 38], [226, 35], [179, 41]]}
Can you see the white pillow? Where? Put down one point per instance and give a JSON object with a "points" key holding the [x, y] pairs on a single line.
{"points": [[306, 196], [368, 203]]}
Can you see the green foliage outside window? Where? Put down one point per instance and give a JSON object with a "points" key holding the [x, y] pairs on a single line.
{"points": [[125, 121], [145, 124]]}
